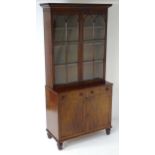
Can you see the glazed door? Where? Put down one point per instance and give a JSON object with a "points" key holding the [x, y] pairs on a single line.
{"points": [[94, 34], [66, 45], [71, 114], [79, 47]]}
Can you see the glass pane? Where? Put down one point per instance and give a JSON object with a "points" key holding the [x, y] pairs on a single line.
{"points": [[94, 27], [66, 28], [59, 28], [98, 69], [99, 27], [72, 53], [72, 72], [93, 51], [59, 54], [72, 34], [99, 33], [99, 51], [88, 52], [88, 70], [88, 27], [99, 20], [60, 34], [60, 21], [88, 35], [60, 74]]}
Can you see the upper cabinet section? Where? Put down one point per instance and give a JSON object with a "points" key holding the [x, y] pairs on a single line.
{"points": [[75, 37]]}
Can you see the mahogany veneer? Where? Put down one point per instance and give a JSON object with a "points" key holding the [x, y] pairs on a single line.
{"points": [[78, 98]]}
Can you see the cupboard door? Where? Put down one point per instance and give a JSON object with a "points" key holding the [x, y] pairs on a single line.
{"points": [[90, 113], [97, 111], [71, 114], [103, 110]]}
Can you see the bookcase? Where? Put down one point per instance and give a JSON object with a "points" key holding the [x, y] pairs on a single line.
{"points": [[78, 97]]}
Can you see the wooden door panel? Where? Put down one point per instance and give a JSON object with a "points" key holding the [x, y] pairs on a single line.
{"points": [[102, 111], [97, 111], [71, 114], [90, 113]]}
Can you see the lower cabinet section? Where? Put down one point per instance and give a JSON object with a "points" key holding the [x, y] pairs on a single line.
{"points": [[74, 112], [84, 110]]}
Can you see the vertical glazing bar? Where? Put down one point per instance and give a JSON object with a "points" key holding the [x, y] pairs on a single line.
{"points": [[66, 47], [93, 30], [80, 50], [105, 45], [66, 30], [93, 49]]}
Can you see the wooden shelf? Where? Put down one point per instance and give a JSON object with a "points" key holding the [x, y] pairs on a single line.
{"points": [[92, 41], [63, 28], [94, 60], [95, 27], [66, 64], [64, 43]]}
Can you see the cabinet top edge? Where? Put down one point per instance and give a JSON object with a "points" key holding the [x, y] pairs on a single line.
{"points": [[49, 5]]}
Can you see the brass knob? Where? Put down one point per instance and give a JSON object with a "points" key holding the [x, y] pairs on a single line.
{"points": [[92, 92], [106, 88], [81, 94], [62, 97], [87, 97]]}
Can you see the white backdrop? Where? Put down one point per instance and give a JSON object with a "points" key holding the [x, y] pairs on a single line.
{"points": [[97, 143], [22, 81]]}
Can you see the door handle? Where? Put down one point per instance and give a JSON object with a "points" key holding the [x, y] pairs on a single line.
{"points": [[87, 97], [63, 97], [81, 94], [106, 88]]}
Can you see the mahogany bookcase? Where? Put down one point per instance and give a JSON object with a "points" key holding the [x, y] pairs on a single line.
{"points": [[78, 98]]}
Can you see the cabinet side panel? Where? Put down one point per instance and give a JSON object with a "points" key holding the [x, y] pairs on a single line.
{"points": [[110, 106], [52, 112], [48, 45], [105, 47]]}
